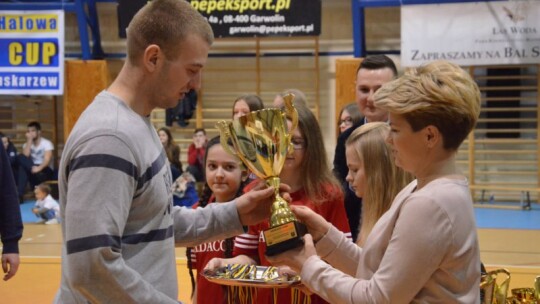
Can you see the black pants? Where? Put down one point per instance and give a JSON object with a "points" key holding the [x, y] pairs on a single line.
{"points": [[25, 175]]}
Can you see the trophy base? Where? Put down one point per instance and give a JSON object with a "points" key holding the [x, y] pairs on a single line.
{"points": [[284, 237]]}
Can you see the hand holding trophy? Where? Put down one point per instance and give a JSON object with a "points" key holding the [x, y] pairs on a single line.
{"points": [[262, 140]]}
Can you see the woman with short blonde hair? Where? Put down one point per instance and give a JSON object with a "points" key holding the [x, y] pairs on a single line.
{"points": [[424, 249]]}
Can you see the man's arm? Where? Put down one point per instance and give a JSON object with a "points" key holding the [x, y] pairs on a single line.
{"points": [[27, 146], [11, 227], [46, 161], [220, 221]]}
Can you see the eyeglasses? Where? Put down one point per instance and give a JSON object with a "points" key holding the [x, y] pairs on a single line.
{"points": [[347, 121], [298, 144]]}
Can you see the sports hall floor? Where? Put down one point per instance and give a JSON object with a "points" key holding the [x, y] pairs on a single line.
{"points": [[508, 239]]}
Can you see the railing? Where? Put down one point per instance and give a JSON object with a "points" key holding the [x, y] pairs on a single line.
{"points": [[87, 17]]}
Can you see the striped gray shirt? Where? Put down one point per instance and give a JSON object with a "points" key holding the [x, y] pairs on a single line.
{"points": [[118, 222]]}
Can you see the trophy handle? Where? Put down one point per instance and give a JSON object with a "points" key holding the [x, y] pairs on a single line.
{"points": [[290, 110], [225, 135]]}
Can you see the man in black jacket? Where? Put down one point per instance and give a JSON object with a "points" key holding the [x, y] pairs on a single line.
{"points": [[372, 73], [11, 226]]}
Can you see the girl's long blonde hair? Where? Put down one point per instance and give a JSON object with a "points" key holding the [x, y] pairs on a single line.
{"points": [[384, 179]]}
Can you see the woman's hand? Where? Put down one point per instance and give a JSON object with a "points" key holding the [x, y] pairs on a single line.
{"points": [[316, 224], [295, 258]]}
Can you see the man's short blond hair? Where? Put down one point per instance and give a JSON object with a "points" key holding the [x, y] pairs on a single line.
{"points": [[439, 94], [165, 23]]}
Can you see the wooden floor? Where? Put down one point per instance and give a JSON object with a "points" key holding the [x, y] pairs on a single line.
{"points": [[39, 275]]}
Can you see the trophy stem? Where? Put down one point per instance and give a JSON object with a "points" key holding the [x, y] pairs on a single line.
{"points": [[281, 212], [274, 182]]}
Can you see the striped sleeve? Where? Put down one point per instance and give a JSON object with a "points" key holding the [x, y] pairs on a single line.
{"points": [[247, 243], [193, 255]]}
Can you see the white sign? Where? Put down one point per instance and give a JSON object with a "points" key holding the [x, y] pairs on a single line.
{"points": [[32, 52], [477, 33]]}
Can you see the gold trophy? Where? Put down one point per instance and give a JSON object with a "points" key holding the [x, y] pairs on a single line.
{"points": [[262, 140]]}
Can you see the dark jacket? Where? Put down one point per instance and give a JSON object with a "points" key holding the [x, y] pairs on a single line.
{"points": [[11, 226]]}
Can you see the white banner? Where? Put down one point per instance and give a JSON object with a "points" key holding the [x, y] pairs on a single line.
{"points": [[32, 52], [476, 33]]}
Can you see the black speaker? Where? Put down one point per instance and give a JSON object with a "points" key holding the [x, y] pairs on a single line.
{"points": [[505, 98], [126, 10]]}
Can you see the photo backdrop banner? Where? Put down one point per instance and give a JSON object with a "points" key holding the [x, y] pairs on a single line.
{"points": [[477, 33]]}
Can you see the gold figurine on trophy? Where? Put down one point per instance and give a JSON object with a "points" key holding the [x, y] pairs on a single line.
{"points": [[262, 140]]}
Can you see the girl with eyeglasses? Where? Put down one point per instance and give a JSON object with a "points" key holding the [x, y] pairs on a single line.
{"points": [[307, 172], [349, 116]]}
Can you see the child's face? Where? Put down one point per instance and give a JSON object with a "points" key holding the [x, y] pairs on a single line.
{"points": [[241, 108], [356, 176], [163, 137], [40, 195], [293, 163], [223, 173]]}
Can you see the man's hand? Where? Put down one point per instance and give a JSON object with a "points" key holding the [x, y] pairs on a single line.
{"points": [[10, 265], [316, 224], [254, 206], [29, 137], [295, 258]]}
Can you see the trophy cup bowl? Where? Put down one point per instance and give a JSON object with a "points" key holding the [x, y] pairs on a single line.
{"points": [[262, 140]]}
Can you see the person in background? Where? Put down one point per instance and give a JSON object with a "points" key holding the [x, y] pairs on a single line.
{"points": [[196, 154], [373, 176], [35, 161], [118, 222], [172, 150], [11, 227], [11, 151], [245, 104], [372, 73], [184, 191], [313, 185], [226, 177], [349, 116], [46, 207], [424, 249], [299, 98]]}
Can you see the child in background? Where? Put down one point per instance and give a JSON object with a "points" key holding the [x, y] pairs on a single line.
{"points": [[196, 152], [172, 150], [313, 185], [46, 208], [245, 104], [225, 180], [184, 192]]}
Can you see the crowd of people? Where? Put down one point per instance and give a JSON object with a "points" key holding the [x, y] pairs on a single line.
{"points": [[391, 222]]}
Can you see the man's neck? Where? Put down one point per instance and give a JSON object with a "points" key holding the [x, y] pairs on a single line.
{"points": [[128, 88]]}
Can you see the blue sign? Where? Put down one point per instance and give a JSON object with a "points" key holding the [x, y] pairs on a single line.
{"points": [[32, 52]]}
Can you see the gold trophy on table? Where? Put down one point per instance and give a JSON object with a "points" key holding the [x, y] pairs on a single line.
{"points": [[262, 140]]}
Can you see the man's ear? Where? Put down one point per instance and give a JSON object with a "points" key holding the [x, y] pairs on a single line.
{"points": [[152, 57]]}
